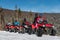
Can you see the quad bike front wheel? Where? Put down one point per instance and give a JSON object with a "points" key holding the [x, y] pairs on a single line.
{"points": [[12, 30], [6, 29], [29, 31], [39, 32], [33, 31], [53, 32], [21, 31]]}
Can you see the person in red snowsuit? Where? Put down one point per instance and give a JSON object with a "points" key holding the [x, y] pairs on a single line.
{"points": [[35, 23], [37, 20]]}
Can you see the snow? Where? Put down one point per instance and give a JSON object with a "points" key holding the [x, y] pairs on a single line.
{"points": [[15, 36]]}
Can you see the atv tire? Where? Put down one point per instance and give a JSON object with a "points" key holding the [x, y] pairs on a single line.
{"points": [[29, 30], [6, 29], [39, 32], [53, 32], [23, 31], [33, 31]]}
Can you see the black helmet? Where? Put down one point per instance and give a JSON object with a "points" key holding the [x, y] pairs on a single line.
{"points": [[24, 19], [36, 14], [15, 20]]}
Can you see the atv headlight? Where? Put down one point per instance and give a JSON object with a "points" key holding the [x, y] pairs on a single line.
{"points": [[26, 26], [43, 25], [53, 26]]}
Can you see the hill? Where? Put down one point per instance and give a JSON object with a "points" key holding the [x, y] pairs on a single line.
{"points": [[7, 15]]}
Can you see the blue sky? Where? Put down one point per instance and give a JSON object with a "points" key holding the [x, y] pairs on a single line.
{"points": [[50, 6]]}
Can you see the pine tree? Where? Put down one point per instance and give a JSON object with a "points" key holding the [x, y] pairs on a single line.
{"points": [[16, 12], [2, 17], [30, 18], [1, 9], [30, 13], [19, 12]]}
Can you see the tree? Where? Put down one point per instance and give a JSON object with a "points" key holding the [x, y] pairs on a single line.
{"points": [[1, 9], [30, 17], [1, 14], [16, 12], [2, 17], [30, 13], [19, 12], [36, 14]]}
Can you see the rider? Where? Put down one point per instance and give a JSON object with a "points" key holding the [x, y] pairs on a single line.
{"points": [[25, 22], [37, 19], [36, 15], [16, 23]]}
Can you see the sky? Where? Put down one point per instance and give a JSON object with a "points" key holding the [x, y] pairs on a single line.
{"points": [[42, 6]]}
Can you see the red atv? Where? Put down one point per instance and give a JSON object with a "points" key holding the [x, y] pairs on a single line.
{"points": [[6, 28], [12, 28], [41, 28], [27, 27]]}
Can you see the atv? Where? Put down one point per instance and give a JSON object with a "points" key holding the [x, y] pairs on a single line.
{"points": [[6, 28], [12, 28], [44, 28], [47, 28]]}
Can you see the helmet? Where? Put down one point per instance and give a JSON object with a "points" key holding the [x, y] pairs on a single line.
{"points": [[24, 19]]}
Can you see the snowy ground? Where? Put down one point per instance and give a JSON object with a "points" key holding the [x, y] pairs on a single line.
{"points": [[15, 36]]}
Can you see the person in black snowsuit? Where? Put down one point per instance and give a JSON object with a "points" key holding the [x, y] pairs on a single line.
{"points": [[28, 28], [24, 22], [36, 15]]}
